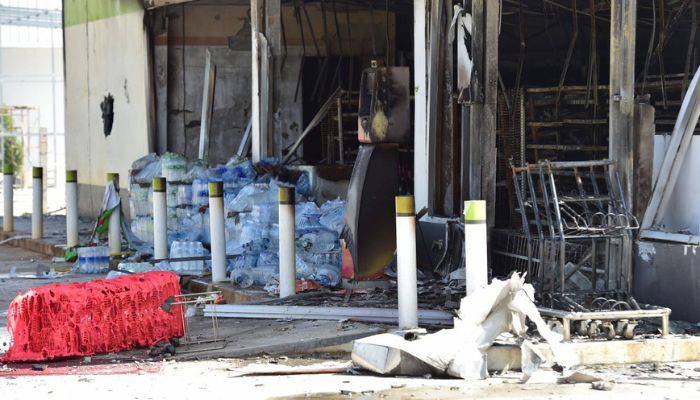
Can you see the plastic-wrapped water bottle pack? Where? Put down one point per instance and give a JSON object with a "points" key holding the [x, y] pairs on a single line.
{"points": [[92, 260], [251, 225], [187, 249]]}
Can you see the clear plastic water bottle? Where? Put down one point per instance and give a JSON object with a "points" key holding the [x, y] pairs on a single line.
{"points": [[242, 277], [105, 258], [304, 269], [265, 275], [327, 275]]}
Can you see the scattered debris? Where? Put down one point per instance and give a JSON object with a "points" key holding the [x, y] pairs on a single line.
{"points": [[602, 385], [39, 367], [461, 352], [276, 369]]}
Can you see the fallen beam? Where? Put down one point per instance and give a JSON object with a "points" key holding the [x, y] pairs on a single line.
{"points": [[380, 315]]}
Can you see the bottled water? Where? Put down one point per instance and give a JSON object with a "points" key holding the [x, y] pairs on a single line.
{"points": [[174, 167], [182, 249], [333, 215], [200, 192], [268, 259], [241, 277], [304, 269], [328, 275], [246, 277], [93, 260], [184, 195]]}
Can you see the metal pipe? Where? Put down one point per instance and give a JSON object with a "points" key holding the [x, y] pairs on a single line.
{"points": [[8, 218], [160, 218], [287, 242], [114, 236], [216, 229], [475, 245], [38, 203], [406, 262], [72, 239]]}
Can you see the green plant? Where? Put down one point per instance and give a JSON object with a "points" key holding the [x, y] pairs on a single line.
{"points": [[12, 146]]}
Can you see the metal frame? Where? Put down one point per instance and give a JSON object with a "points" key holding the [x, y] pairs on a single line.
{"points": [[575, 221], [380, 315], [626, 321], [588, 211], [31, 17], [206, 299]]}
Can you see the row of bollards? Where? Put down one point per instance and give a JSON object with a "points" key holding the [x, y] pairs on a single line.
{"points": [[474, 230], [475, 243]]}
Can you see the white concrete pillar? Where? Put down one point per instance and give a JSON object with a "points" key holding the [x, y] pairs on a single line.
{"points": [[421, 156], [8, 218], [38, 203], [406, 262], [216, 230], [114, 236], [475, 245], [160, 219], [72, 239], [287, 241]]}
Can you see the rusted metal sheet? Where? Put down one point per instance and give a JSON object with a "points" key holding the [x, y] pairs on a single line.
{"points": [[369, 214]]}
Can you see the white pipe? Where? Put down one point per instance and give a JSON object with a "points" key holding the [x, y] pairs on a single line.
{"points": [[38, 203], [160, 219], [114, 236], [475, 244], [216, 230], [406, 262], [72, 239], [287, 240], [8, 218]]}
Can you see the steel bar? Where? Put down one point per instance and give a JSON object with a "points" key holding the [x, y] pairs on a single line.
{"points": [[382, 315], [675, 155]]}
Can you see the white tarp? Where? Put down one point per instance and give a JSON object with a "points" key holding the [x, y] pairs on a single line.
{"points": [[502, 306]]}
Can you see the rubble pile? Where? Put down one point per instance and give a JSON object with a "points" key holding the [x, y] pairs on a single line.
{"points": [[251, 207]]}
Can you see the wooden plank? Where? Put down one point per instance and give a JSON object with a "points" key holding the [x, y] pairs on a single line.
{"points": [[476, 109], [492, 25], [644, 131], [622, 43], [433, 106], [207, 105], [258, 132], [161, 88]]}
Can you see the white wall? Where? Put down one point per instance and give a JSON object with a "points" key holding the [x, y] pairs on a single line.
{"points": [[105, 56], [26, 78], [684, 208]]}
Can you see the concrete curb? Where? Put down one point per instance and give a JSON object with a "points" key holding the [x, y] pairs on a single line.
{"points": [[38, 246]]}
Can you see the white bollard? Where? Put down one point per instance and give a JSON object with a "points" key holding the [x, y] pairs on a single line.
{"points": [[216, 231], [475, 245], [8, 218], [406, 264], [114, 235], [160, 219], [72, 239], [38, 203], [287, 240]]}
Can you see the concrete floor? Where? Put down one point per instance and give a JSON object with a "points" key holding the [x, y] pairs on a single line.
{"points": [[119, 376]]}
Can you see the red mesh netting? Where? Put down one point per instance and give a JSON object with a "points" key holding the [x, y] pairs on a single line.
{"points": [[102, 316]]}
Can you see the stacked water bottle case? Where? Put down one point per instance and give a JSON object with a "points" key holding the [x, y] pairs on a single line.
{"points": [[251, 207]]}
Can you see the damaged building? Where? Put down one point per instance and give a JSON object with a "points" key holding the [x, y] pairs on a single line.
{"points": [[447, 101], [490, 168]]}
